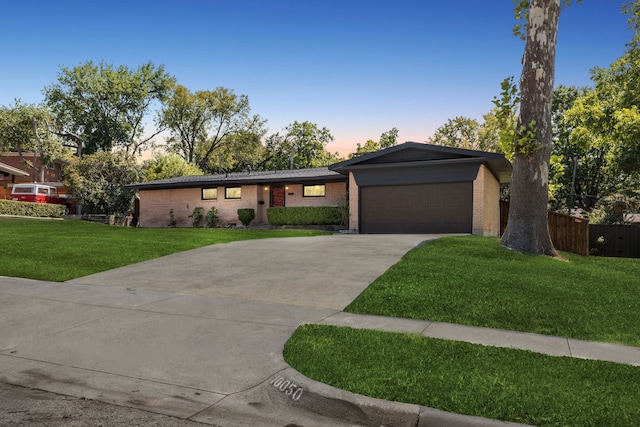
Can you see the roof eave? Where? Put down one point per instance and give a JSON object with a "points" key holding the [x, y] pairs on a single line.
{"points": [[242, 181], [11, 170]]}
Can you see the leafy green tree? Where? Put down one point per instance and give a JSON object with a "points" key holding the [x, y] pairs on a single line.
{"points": [[24, 127], [617, 90], [597, 130], [579, 149], [611, 209], [171, 165], [208, 128], [469, 134], [241, 150], [489, 133], [370, 146], [301, 146], [186, 116], [506, 114], [387, 139], [101, 107], [459, 132], [98, 181]]}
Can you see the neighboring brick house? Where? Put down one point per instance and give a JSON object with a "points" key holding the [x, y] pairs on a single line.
{"points": [[15, 171], [51, 172], [9, 175], [409, 188]]}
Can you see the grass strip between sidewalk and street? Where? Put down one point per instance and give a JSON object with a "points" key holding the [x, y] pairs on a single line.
{"points": [[475, 281], [498, 383], [63, 250]]}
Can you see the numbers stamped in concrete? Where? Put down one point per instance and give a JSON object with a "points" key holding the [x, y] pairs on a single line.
{"points": [[292, 390]]}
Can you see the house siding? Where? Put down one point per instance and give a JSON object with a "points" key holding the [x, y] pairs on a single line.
{"points": [[156, 204], [335, 194], [50, 175], [354, 208], [486, 204]]}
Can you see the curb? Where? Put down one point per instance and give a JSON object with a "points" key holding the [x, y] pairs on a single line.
{"points": [[359, 410]]}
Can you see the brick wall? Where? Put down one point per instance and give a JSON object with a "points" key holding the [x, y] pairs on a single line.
{"points": [[486, 204], [50, 175], [335, 194], [156, 204], [353, 203]]}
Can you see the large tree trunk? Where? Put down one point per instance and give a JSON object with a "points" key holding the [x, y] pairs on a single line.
{"points": [[527, 227]]}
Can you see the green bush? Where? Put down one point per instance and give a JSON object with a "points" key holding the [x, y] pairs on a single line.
{"points": [[305, 215], [196, 217], [246, 216], [46, 210], [213, 218]]}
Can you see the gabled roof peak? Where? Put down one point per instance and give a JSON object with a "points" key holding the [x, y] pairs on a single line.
{"points": [[425, 154]]}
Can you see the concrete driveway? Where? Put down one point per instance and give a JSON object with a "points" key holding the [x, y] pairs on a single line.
{"points": [[199, 335], [323, 271]]}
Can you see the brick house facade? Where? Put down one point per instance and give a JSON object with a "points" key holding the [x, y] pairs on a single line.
{"points": [[408, 188], [34, 171]]}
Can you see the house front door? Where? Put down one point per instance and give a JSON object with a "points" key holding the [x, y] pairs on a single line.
{"points": [[277, 197]]}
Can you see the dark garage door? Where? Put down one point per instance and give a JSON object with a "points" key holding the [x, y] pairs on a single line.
{"points": [[422, 208]]}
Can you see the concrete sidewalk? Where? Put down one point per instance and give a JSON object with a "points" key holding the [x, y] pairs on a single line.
{"points": [[178, 340], [545, 344], [212, 359]]}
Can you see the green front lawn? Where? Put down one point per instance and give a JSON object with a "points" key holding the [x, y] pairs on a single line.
{"points": [[474, 281], [499, 383], [65, 250]]}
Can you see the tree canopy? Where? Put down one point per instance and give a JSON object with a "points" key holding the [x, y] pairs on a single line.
{"points": [[98, 181], [163, 166], [597, 131], [387, 139], [102, 107], [301, 145], [468, 133], [23, 127], [214, 130]]}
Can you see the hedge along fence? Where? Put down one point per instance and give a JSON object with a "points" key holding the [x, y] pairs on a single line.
{"points": [[40, 210], [305, 215]]}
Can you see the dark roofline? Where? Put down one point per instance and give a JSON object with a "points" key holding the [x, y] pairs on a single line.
{"points": [[420, 146], [315, 175], [418, 163], [496, 162]]}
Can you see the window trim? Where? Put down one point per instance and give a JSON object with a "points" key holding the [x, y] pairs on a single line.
{"points": [[226, 193], [209, 198], [324, 187]]}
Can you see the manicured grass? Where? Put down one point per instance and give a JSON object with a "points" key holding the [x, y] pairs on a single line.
{"points": [[506, 384], [474, 281], [64, 250]]}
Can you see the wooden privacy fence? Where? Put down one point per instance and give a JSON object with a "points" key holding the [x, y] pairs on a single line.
{"points": [[568, 233], [616, 240]]}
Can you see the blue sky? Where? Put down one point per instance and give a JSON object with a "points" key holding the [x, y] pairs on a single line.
{"points": [[357, 67]]}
